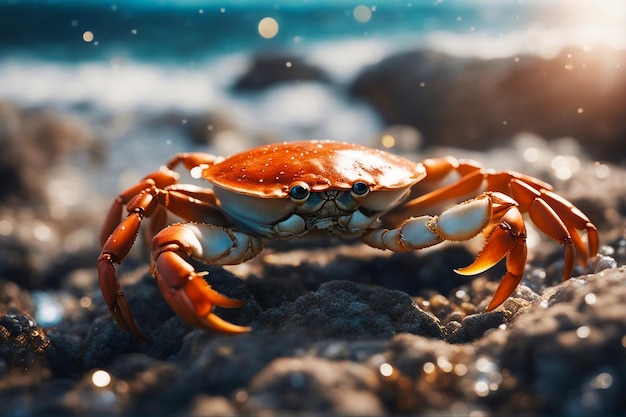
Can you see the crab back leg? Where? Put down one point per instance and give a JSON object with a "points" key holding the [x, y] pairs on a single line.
{"points": [[509, 194], [463, 222], [185, 290]]}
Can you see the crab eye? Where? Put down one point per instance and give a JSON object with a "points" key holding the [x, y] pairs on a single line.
{"points": [[299, 192], [360, 189]]}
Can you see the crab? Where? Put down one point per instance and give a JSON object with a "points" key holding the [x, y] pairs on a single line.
{"points": [[325, 188]]}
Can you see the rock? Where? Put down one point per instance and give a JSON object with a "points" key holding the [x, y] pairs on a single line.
{"points": [[341, 308], [567, 352], [22, 341], [270, 69], [32, 142], [337, 327], [579, 94], [314, 385], [45, 228]]}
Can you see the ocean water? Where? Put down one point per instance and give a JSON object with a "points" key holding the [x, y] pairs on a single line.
{"points": [[124, 64]]}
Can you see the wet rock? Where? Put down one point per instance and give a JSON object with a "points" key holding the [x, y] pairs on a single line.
{"points": [[314, 385], [337, 328], [44, 228], [201, 128], [32, 142], [474, 327], [567, 352], [553, 98], [270, 69], [22, 341], [343, 309]]}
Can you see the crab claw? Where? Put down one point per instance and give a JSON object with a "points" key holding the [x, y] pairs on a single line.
{"points": [[507, 240], [190, 296]]}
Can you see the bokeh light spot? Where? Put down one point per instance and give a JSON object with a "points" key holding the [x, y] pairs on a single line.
{"points": [[268, 27], [100, 378], [388, 141], [386, 369], [583, 332], [362, 14]]}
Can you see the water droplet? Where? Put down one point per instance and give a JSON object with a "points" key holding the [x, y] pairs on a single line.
{"points": [[444, 364], [602, 381], [602, 171], [531, 154], [485, 365], [6, 228], [583, 332], [388, 141], [88, 36], [85, 302], [460, 369], [429, 367], [362, 14], [268, 27], [481, 388], [196, 172], [48, 309], [386, 369], [100, 378], [590, 298], [241, 396]]}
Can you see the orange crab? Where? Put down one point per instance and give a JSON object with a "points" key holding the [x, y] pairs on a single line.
{"points": [[297, 189]]}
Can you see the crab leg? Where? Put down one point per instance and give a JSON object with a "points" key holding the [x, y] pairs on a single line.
{"points": [[114, 250], [189, 295], [508, 239], [463, 222], [149, 198], [191, 160], [553, 215], [158, 179]]}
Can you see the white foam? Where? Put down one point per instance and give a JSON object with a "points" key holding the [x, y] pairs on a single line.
{"points": [[111, 86]]}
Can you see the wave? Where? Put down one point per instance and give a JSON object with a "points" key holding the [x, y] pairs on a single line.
{"points": [[124, 84]]}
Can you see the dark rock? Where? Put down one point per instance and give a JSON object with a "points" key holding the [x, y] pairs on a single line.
{"points": [[32, 142], [200, 128], [337, 328], [313, 385], [579, 93], [269, 69], [42, 237], [23, 343], [549, 347], [343, 309], [474, 327]]}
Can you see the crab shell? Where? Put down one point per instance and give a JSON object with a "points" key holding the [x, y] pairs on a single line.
{"points": [[253, 186]]}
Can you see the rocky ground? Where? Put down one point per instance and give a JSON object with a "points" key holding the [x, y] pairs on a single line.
{"points": [[338, 328]]}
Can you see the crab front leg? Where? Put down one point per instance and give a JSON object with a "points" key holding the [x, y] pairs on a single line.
{"points": [[185, 290], [118, 238], [463, 222], [151, 198]]}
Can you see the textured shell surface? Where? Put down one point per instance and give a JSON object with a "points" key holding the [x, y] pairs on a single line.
{"points": [[269, 170]]}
